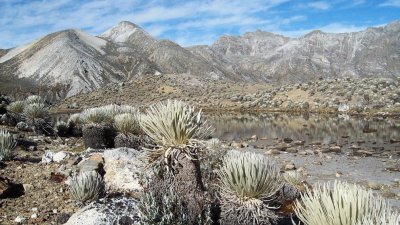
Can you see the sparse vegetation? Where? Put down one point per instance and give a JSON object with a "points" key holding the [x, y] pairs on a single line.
{"points": [[7, 145], [35, 111], [87, 186], [34, 99], [96, 116], [16, 107], [343, 204], [127, 123]]}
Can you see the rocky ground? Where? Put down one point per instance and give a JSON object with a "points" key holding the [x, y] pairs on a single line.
{"points": [[40, 194], [351, 95], [36, 191]]}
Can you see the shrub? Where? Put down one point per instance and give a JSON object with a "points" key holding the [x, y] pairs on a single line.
{"points": [[61, 128], [127, 123], [173, 123], [75, 119], [114, 110], [96, 116], [34, 99], [98, 136], [87, 186], [35, 110], [343, 204], [16, 107], [178, 198], [7, 145], [128, 141], [75, 122], [248, 176], [212, 158], [174, 126], [248, 182], [214, 144], [295, 179]]}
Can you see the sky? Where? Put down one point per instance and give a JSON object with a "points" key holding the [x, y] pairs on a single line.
{"points": [[190, 22]]}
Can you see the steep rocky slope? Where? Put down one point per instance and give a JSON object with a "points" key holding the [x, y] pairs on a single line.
{"points": [[373, 52], [69, 57], [166, 56]]}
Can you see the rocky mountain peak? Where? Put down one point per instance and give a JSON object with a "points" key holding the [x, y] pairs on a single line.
{"points": [[314, 33], [122, 31]]}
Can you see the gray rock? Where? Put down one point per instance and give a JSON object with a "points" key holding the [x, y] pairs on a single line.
{"points": [[47, 157], [19, 219], [22, 126], [60, 156], [123, 167], [107, 212]]}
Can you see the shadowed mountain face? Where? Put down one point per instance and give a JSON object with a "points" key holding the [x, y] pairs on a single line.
{"points": [[2, 52], [83, 62]]}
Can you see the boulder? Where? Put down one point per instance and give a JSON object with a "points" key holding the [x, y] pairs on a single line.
{"points": [[123, 167], [123, 211]]}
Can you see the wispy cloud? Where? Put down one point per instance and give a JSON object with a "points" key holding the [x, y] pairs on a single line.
{"points": [[321, 5], [394, 3]]}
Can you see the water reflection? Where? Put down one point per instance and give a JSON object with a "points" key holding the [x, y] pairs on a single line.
{"points": [[310, 128]]}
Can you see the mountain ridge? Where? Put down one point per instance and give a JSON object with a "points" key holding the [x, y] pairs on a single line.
{"points": [[84, 62]]}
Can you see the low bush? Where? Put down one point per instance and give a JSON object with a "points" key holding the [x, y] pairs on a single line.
{"points": [[343, 204], [87, 186], [7, 145]]}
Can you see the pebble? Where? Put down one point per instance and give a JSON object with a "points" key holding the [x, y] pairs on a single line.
{"points": [[34, 216], [298, 142], [237, 145], [273, 152], [290, 166], [28, 187], [374, 186], [59, 156], [291, 150], [19, 219]]}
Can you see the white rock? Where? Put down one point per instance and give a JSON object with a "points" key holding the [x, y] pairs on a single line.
{"points": [[59, 156], [34, 216], [123, 167], [343, 108], [19, 219], [107, 212], [47, 157]]}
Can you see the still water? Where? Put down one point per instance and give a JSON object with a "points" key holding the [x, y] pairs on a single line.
{"points": [[375, 133]]}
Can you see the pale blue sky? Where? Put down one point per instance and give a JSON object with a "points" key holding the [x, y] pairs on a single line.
{"points": [[190, 22]]}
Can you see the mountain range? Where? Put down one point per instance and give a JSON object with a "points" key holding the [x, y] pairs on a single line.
{"points": [[82, 62]]}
